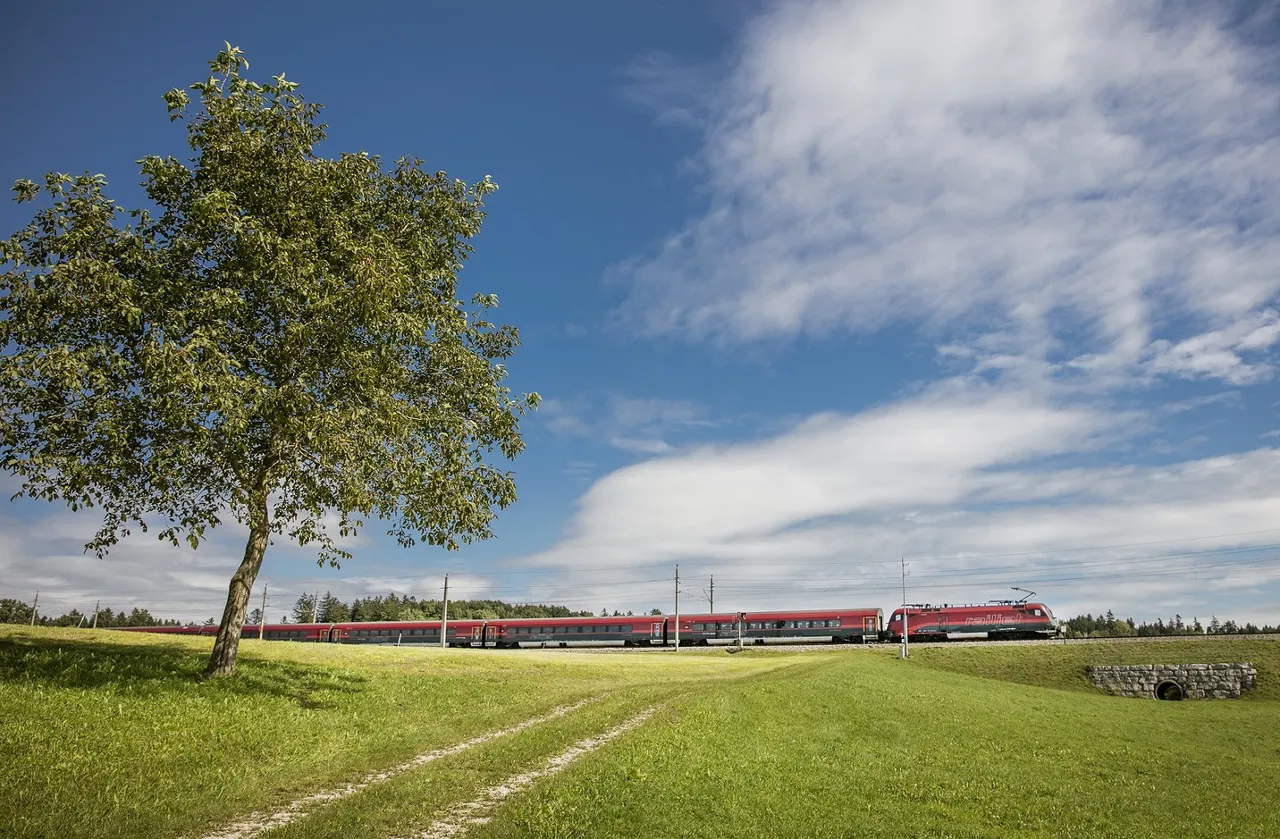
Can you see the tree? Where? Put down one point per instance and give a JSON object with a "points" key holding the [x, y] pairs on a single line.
{"points": [[333, 610], [304, 609], [281, 340], [255, 617], [655, 611], [14, 611]]}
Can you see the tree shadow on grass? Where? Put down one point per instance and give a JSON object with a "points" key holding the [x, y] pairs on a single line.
{"points": [[163, 668]]}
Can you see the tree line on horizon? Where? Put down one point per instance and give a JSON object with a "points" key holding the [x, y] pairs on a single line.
{"points": [[332, 609], [1109, 626], [392, 607]]}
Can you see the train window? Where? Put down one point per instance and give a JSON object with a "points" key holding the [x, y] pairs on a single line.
{"points": [[834, 622], [581, 629], [626, 627], [699, 626], [1036, 612]]}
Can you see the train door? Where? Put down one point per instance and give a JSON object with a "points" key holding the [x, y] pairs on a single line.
{"points": [[869, 626], [490, 636], [335, 635], [477, 635], [658, 633]]}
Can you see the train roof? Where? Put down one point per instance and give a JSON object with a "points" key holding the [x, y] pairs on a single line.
{"points": [[994, 604]]}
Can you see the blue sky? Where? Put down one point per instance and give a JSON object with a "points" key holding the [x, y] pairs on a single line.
{"points": [[806, 287]]}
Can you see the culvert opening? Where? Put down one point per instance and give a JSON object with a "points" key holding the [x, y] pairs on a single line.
{"points": [[1169, 691]]}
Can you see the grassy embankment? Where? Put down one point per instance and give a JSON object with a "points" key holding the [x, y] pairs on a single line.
{"points": [[964, 741], [959, 742], [110, 734]]}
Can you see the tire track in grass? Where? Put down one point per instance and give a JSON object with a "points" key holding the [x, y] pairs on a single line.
{"points": [[258, 822], [462, 817]]}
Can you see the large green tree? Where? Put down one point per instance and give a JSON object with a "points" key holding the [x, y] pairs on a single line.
{"points": [[277, 339]]}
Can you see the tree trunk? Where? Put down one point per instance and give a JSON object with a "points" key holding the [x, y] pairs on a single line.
{"points": [[223, 660]]}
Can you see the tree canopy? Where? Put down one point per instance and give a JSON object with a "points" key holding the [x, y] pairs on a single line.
{"points": [[277, 339]]}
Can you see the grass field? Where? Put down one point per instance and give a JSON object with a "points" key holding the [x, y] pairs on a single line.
{"points": [[109, 734], [860, 744]]}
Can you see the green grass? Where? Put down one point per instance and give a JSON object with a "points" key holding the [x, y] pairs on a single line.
{"points": [[860, 744], [112, 734], [1063, 666]]}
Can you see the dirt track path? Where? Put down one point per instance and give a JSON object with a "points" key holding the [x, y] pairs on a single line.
{"points": [[258, 822], [460, 818]]}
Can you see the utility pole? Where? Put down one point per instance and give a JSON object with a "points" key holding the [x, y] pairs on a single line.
{"points": [[95, 613], [34, 604], [905, 617], [677, 608], [713, 594], [315, 608], [262, 620], [444, 613]]}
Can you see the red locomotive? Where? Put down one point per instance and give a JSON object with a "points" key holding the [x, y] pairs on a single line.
{"points": [[997, 620]]}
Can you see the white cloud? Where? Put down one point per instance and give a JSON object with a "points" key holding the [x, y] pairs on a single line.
{"points": [[1217, 354], [1067, 177], [923, 452], [967, 485], [630, 423], [640, 446]]}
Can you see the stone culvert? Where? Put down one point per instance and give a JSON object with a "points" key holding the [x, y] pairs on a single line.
{"points": [[1174, 681]]}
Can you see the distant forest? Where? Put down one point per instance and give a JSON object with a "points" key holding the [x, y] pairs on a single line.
{"points": [[330, 609], [1109, 626], [393, 607]]}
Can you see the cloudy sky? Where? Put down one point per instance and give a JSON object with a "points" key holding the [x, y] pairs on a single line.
{"points": [[808, 288]]}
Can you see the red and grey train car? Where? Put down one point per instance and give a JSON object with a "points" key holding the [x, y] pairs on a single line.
{"points": [[757, 628], [997, 620], [823, 625]]}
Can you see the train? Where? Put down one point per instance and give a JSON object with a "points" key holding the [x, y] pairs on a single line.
{"points": [[994, 620]]}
